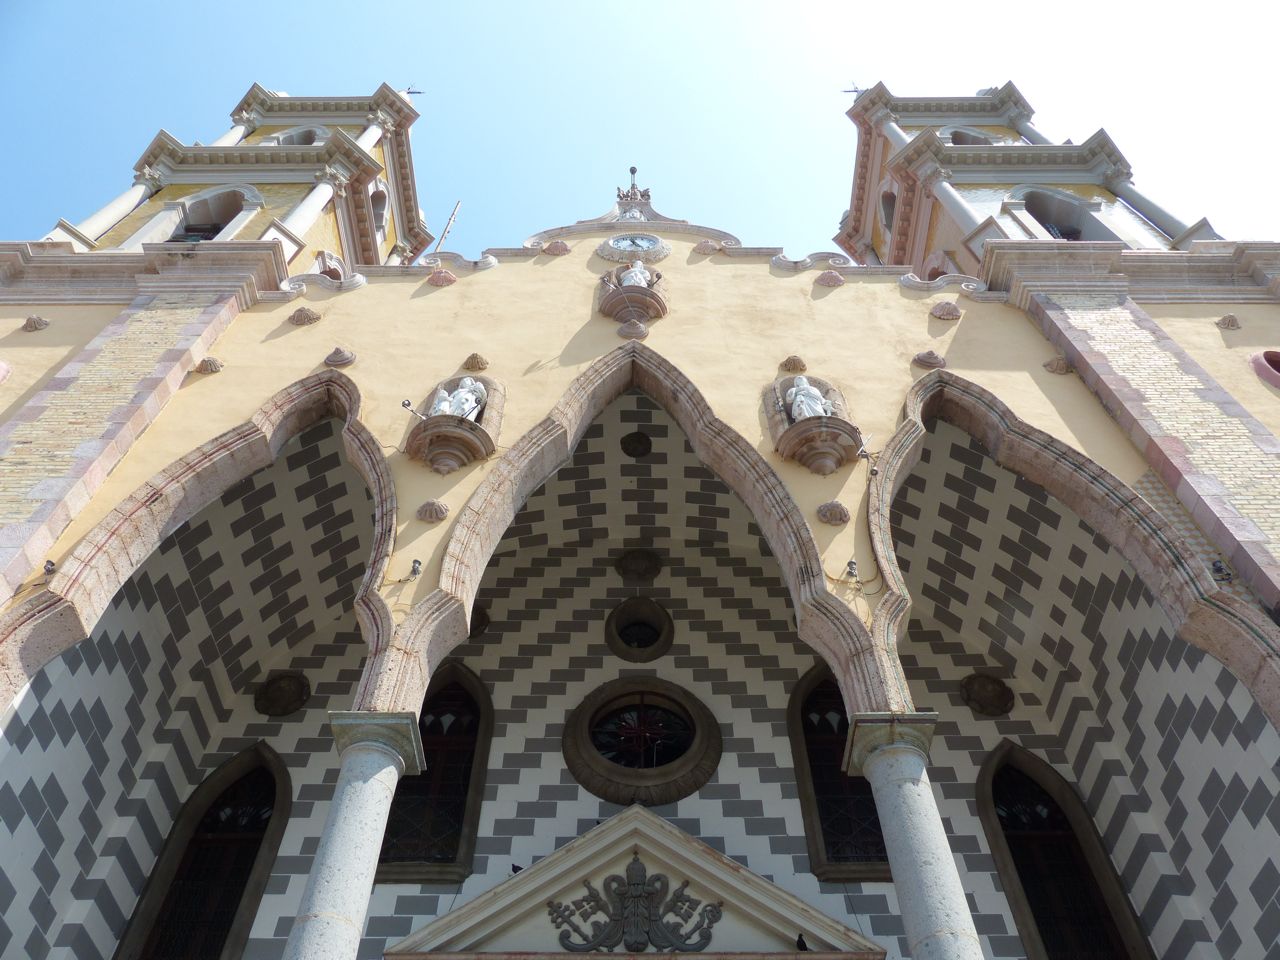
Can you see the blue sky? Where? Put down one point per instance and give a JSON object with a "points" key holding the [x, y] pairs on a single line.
{"points": [[733, 111]]}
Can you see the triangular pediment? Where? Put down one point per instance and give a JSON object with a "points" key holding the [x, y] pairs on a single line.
{"points": [[549, 907]]}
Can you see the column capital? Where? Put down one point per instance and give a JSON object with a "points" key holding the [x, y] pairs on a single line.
{"points": [[882, 114], [247, 119], [149, 177], [871, 731], [334, 177], [933, 177], [397, 732], [382, 119]]}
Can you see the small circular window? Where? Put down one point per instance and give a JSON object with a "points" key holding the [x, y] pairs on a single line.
{"points": [[639, 630], [641, 740]]}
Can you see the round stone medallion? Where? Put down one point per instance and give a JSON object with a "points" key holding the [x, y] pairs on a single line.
{"points": [[639, 629], [637, 444], [986, 695], [282, 694], [638, 564]]}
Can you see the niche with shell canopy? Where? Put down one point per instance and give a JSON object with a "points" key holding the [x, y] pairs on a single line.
{"points": [[823, 439], [459, 422]]}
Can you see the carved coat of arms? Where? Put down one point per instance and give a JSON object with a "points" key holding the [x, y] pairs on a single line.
{"points": [[636, 912]]}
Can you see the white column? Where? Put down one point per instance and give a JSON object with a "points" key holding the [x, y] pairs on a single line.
{"points": [[376, 749], [891, 751], [955, 205], [379, 123], [245, 123], [328, 182], [896, 136], [147, 182], [1162, 218], [1021, 121]]}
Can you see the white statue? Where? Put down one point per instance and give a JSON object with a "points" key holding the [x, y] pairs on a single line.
{"points": [[465, 401], [636, 275], [806, 400]]}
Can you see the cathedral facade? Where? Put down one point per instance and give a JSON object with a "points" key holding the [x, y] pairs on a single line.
{"points": [[631, 589]]}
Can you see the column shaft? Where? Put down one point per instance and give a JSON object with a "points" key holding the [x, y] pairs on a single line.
{"points": [[1157, 214], [232, 136], [896, 136], [96, 224], [956, 206], [307, 211], [1031, 133], [370, 137], [332, 914], [934, 909]]}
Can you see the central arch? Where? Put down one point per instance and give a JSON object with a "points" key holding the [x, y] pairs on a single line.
{"points": [[870, 677]]}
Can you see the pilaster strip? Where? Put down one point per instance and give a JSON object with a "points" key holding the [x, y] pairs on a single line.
{"points": [[1222, 464], [60, 446]]}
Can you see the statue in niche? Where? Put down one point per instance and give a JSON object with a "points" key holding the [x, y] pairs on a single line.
{"points": [[805, 400], [465, 401], [637, 276]]}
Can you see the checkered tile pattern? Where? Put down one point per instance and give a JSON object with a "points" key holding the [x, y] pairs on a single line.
{"points": [[548, 589], [1174, 760], [110, 738]]}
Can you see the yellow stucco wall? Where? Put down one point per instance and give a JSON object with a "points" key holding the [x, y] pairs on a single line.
{"points": [[323, 235], [33, 358], [731, 322], [279, 199], [1225, 353]]}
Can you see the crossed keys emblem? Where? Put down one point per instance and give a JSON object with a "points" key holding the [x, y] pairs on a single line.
{"points": [[637, 913]]}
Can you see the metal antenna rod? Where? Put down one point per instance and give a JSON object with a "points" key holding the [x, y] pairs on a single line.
{"points": [[448, 226]]}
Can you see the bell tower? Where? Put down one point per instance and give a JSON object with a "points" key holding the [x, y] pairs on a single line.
{"points": [[935, 178], [330, 178]]}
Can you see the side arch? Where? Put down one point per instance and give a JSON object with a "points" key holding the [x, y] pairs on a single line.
{"points": [[870, 677], [1203, 615], [61, 615]]}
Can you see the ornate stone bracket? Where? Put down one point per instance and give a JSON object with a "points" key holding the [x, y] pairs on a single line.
{"points": [[822, 444], [870, 731], [631, 305], [446, 442]]}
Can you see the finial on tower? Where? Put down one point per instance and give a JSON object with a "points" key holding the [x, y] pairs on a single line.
{"points": [[634, 192]]}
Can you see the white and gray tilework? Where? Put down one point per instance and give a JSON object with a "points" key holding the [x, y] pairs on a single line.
{"points": [[1170, 754], [548, 589], [110, 738]]}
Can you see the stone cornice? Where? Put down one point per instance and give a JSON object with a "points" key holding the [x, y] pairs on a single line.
{"points": [[177, 162], [273, 108], [1098, 156], [998, 106], [1209, 272], [251, 271]]}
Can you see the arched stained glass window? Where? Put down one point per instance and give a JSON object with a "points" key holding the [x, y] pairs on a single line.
{"points": [[841, 822], [204, 890], [1064, 893], [432, 825]]}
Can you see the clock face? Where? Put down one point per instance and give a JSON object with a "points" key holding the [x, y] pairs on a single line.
{"points": [[638, 242]]}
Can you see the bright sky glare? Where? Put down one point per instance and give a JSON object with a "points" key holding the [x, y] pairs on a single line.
{"points": [[733, 111]]}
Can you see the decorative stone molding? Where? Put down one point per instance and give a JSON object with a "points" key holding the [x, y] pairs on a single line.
{"points": [[1228, 321], [1266, 364], [556, 248], [833, 512], [397, 732], [631, 305], [793, 364], [873, 731], [930, 360], [946, 310], [822, 444], [329, 271], [649, 786], [339, 357], [34, 323], [440, 277], [303, 317], [446, 442], [209, 365], [1236, 633], [1059, 365], [986, 695], [433, 511], [706, 247], [829, 278], [334, 177], [475, 362]]}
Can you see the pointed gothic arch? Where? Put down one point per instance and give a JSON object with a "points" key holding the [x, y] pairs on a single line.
{"points": [[1200, 613], [39, 629], [870, 677], [1114, 902], [165, 876]]}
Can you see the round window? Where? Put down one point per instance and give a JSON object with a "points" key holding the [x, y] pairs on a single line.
{"points": [[639, 629], [641, 740]]}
